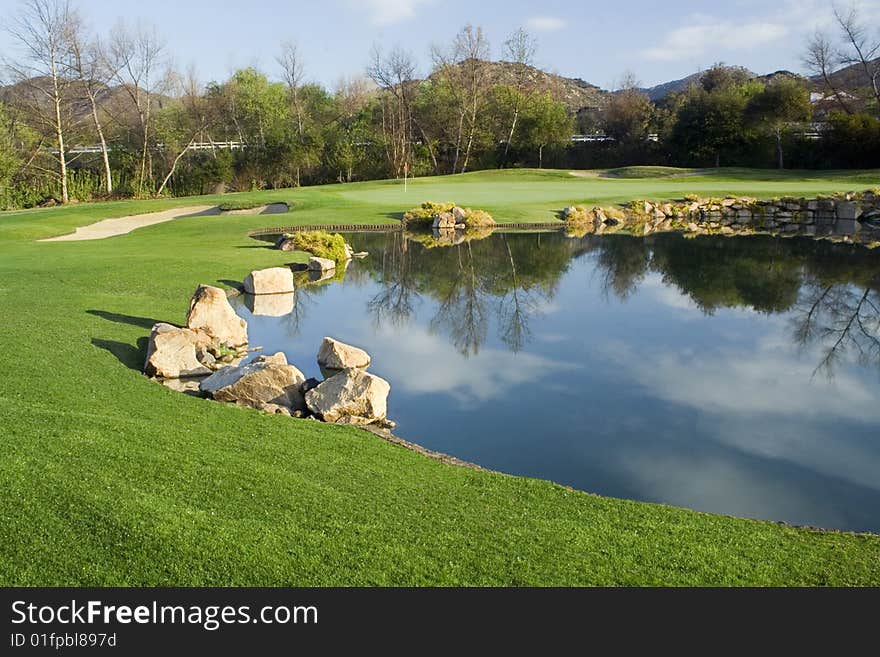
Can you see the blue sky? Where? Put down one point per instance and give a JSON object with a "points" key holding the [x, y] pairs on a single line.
{"points": [[658, 41]]}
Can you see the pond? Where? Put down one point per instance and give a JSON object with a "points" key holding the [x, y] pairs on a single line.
{"points": [[738, 376]]}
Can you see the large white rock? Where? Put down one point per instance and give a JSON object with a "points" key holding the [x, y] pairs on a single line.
{"points": [[270, 381], [336, 355], [210, 311], [353, 396], [171, 352], [321, 264], [274, 280], [444, 220]]}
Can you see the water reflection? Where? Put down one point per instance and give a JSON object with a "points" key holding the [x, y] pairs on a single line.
{"points": [[730, 375], [513, 277]]}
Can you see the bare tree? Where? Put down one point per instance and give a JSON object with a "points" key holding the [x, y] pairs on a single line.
{"points": [[862, 47], [464, 67], [136, 58], [189, 123], [294, 73], [395, 75], [519, 49], [44, 30], [93, 77], [821, 60]]}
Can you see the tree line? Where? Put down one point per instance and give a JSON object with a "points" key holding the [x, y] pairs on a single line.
{"points": [[67, 87]]}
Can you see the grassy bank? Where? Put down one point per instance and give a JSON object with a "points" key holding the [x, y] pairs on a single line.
{"points": [[110, 479]]}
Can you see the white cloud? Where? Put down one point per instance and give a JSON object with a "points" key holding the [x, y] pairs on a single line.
{"points": [[387, 12], [423, 363], [763, 400], [545, 23], [707, 36], [669, 296], [718, 486]]}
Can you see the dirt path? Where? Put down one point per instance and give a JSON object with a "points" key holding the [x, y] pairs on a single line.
{"points": [[123, 225]]}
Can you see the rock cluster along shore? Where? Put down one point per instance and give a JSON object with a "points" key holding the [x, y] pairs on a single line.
{"points": [[206, 356], [850, 216]]}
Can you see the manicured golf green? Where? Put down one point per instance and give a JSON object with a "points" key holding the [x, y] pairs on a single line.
{"points": [[110, 479]]}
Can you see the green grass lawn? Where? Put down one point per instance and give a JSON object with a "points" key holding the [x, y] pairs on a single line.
{"points": [[109, 479]]}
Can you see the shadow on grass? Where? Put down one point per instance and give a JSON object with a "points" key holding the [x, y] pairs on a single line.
{"points": [[143, 322], [132, 356], [237, 285], [395, 215]]}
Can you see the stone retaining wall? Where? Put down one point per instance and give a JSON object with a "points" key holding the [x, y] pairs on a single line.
{"points": [[855, 215]]}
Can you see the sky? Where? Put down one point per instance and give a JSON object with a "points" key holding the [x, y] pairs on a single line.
{"points": [[656, 40]]}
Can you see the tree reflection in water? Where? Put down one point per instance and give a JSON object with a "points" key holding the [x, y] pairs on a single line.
{"points": [[831, 291], [844, 320]]}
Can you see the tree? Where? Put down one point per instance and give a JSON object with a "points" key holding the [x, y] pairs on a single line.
{"points": [[294, 73], [92, 78], [774, 109], [627, 114], [180, 124], [821, 59], [861, 47], [44, 74], [520, 49], [546, 122], [136, 57], [10, 160], [394, 73], [463, 68], [858, 48], [711, 118], [352, 127]]}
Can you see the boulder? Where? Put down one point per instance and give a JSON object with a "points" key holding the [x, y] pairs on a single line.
{"points": [[171, 352], [309, 384], [349, 251], [335, 355], [284, 237], [257, 384], [351, 393], [278, 358], [210, 311], [459, 215], [274, 280], [444, 220], [321, 264], [286, 245], [847, 210]]}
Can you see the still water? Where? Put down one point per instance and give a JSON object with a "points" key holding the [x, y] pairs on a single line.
{"points": [[733, 375]]}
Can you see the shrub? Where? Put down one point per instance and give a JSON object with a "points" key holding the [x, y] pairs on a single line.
{"points": [[425, 213], [321, 244], [578, 214], [615, 213], [477, 218]]}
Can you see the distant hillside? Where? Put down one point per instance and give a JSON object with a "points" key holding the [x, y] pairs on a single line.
{"points": [[849, 78], [110, 100], [660, 91], [574, 92]]}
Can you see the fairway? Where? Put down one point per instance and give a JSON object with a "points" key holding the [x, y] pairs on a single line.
{"points": [[110, 479]]}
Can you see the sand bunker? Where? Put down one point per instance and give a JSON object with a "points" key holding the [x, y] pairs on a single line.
{"points": [[123, 225], [271, 208]]}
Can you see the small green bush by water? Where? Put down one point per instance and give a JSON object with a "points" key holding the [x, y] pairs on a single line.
{"points": [[321, 244], [425, 213]]}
